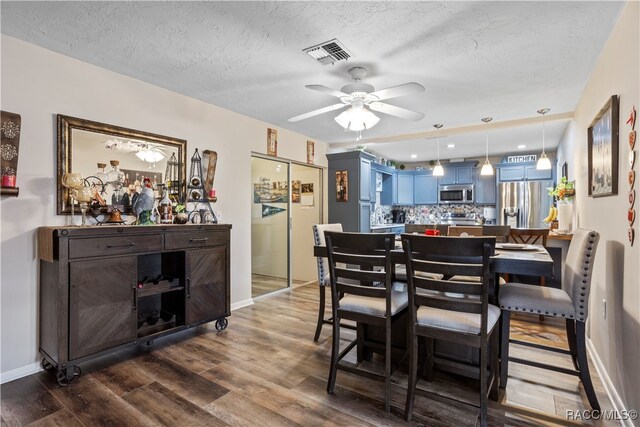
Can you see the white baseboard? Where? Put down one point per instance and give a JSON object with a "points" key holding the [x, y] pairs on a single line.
{"points": [[614, 397], [241, 304], [20, 372]]}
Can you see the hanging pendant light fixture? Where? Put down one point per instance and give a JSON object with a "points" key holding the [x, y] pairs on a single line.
{"points": [[543, 162], [487, 169], [438, 170]]}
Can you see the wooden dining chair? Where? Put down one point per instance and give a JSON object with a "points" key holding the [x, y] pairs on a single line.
{"points": [[570, 303], [464, 231], [500, 232], [371, 301], [453, 311]]}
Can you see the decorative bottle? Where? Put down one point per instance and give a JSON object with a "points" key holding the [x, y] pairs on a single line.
{"points": [[165, 208]]}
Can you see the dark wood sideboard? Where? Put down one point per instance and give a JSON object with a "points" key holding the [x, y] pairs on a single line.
{"points": [[103, 288]]}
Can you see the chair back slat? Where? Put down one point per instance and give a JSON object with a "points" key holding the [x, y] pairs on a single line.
{"points": [[459, 230], [364, 291], [377, 260], [362, 275], [500, 232], [450, 303], [529, 236], [458, 287], [448, 268]]}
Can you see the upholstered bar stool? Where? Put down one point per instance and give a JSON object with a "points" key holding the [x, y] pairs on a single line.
{"points": [[323, 274], [571, 303]]}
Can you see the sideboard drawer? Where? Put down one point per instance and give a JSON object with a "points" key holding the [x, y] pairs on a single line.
{"points": [[114, 245], [196, 239]]}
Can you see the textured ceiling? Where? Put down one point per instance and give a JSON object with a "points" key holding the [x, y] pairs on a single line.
{"points": [[475, 59]]}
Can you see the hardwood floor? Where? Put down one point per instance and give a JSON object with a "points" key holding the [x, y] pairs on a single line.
{"points": [[262, 285], [265, 370]]}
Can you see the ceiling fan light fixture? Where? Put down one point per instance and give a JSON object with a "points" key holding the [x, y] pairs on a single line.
{"points": [[150, 155], [357, 119]]}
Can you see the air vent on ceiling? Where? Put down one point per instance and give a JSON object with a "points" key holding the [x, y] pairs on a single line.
{"points": [[328, 52]]}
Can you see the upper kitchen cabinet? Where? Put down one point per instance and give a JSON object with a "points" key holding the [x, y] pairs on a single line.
{"points": [[461, 174], [405, 188], [353, 213], [485, 188], [425, 188], [522, 172]]}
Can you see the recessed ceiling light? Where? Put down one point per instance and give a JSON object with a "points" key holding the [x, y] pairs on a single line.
{"points": [[451, 145], [414, 156], [521, 146]]}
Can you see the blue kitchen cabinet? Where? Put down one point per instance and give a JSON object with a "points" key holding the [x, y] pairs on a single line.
{"points": [[511, 173], [389, 195], [485, 189], [365, 217], [365, 179], [533, 174], [425, 189], [457, 175], [405, 188]]}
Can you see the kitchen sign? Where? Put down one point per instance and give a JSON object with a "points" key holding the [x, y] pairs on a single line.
{"points": [[522, 159]]}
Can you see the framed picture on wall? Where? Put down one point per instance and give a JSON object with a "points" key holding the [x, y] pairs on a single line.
{"points": [[272, 142], [603, 150], [311, 152], [342, 186]]}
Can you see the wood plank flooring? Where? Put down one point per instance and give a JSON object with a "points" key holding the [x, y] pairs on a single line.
{"points": [[265, 370], [262, 285]]}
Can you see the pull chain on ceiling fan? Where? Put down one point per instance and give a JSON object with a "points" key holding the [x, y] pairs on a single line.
{"points": [[362, 98]]}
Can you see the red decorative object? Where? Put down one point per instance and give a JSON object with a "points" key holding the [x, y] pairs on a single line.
{"points": [[631, 216], [632, 118], [8, 181], [632, 139], [432, 232], [632, 178], [632, 235], [632, 197]]}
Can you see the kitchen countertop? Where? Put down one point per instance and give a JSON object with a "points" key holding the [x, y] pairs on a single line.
{"points": [[380, 226]]}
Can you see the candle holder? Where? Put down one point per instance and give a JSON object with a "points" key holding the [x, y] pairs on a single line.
{"points": [[85, 195], [72, 181]]}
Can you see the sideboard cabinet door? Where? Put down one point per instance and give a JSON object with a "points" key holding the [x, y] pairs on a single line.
{"points": [[101, 304], [206, 284]]}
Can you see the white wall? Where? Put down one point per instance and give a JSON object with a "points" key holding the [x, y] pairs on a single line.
{"points": [[38, 84], [616, 339]]}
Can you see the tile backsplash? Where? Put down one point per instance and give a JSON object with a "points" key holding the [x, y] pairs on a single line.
{"points": [[422, 214]]}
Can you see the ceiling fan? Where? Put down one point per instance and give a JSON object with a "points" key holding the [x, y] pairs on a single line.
{"points": [[362, 98]]}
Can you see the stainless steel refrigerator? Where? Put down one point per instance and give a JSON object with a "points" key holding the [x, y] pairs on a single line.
{"points": [[523, 204]]}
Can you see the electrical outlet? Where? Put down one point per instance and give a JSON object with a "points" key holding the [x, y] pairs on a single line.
{"points": [[604, 308]]}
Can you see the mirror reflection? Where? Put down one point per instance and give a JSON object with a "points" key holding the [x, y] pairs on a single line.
{"points": [[119, 162]]}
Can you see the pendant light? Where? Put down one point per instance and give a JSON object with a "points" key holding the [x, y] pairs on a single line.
{"points": [[438, 170], [543, 162], [487, 169]]}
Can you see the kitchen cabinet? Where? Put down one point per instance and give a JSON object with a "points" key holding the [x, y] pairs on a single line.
{"points": [[405, 188], [365, 179], [425, 188], [103, 288], [353, 214], [484, 188], [457, 175], [523, 173]]}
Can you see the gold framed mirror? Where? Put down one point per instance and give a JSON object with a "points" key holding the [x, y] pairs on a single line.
{"points": [[83, 144]]}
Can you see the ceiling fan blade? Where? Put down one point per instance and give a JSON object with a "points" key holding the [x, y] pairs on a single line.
{"points": [[327, 90], [395, 91], [317, 112], [396, 111]]}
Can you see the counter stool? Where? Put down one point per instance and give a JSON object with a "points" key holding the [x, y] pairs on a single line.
{"points": [[571, 303]]}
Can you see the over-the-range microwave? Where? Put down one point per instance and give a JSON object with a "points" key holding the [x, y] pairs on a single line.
{"points": [[456, 194]]}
